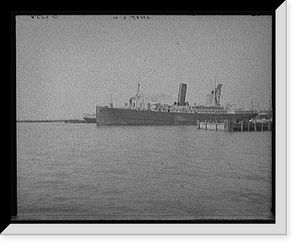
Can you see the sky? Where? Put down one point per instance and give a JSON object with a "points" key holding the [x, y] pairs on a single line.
{"points": [[66, 65]]}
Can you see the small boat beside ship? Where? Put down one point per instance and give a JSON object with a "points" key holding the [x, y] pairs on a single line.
{"points": [[90, 118]]}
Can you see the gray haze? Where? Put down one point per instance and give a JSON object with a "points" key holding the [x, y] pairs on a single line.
{"points": [[68, 65]]}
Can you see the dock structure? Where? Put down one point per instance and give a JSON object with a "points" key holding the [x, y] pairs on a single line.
{"points": [[231, 126]]}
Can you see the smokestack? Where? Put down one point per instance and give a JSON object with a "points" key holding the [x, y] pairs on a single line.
{"points": [[181, 94], [218, 95]]}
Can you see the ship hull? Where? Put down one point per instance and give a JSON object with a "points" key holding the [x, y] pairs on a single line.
{"points": [[122, 117]]}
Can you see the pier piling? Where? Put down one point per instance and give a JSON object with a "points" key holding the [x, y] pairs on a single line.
{"points": [[230, 126]]}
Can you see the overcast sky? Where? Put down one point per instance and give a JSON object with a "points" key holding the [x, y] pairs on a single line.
{"points": [[69, 64]]}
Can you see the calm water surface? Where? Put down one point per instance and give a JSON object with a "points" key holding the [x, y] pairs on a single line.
{"points": [[81, 171]]}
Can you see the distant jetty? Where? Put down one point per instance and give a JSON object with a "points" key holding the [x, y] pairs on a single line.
{"points": [[50, 121], [75, 121], [33, 121]]}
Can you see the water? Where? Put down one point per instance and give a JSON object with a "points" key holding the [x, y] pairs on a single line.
{"points": [[81, 171]]}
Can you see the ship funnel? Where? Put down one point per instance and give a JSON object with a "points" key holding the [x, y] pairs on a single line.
{"points": [[218, 94], [181, 94]]}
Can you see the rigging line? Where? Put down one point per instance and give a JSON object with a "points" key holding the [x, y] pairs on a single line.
{"points": [[259, 192], [251, 172], [236, 181]]}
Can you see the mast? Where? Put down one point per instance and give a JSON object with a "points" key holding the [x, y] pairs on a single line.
{"points": [[215, 81], [137, 95], [214, 100], [111, 100], [138, 91]]}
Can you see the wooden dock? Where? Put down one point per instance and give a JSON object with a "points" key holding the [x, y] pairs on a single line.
{"points": [[230, 126]]}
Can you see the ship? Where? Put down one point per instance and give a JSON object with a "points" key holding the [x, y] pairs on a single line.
{"points": [[137, 112]]}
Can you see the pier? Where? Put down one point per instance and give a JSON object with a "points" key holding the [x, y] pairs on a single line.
{"points": [[231, 126]]}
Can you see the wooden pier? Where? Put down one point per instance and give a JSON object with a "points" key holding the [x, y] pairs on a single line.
{"points": [[230, 126]]}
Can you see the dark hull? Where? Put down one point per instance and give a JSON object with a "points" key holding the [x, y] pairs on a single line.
{"points": [[89, 119], [121, 117]]}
